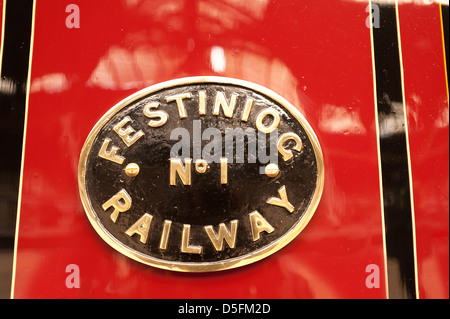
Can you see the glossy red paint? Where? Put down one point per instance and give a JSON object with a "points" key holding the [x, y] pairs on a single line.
{"points": [[427, 114], [317, 55]]}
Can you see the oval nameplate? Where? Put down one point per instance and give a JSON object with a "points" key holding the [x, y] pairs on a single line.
{"points": [[201, 174]]}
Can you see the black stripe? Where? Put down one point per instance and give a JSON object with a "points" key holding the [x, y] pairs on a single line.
{"points": [[13, 94], [394, 158], [444, 10]]}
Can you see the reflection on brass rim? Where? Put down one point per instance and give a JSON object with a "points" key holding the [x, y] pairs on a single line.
{"points": [[205, 266]]}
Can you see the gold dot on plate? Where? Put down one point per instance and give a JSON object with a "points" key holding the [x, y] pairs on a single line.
{"points": [[132, 169], [272, 170]]}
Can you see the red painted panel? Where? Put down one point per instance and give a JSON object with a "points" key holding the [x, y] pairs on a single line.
{"points": [[427, 114], [316, 54]]}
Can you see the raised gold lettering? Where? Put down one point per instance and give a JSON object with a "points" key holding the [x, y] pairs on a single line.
{"points": [[110, 155], [121, 203], [165, 235], [275, 122], [201, 166], [183, 172], [129, 136], [282, 201], [228, 109], [201, 102], [287, 154], [259, 224], [224, 234], [141, 227], [223, 170], [185, 246], [162, 115], [179, 99], [247, 109]]}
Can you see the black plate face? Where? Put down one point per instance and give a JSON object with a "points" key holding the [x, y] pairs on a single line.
{"points": [[201, 176]]}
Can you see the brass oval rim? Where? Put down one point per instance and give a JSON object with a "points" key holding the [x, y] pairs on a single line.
{"points": [[207, 266]]}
